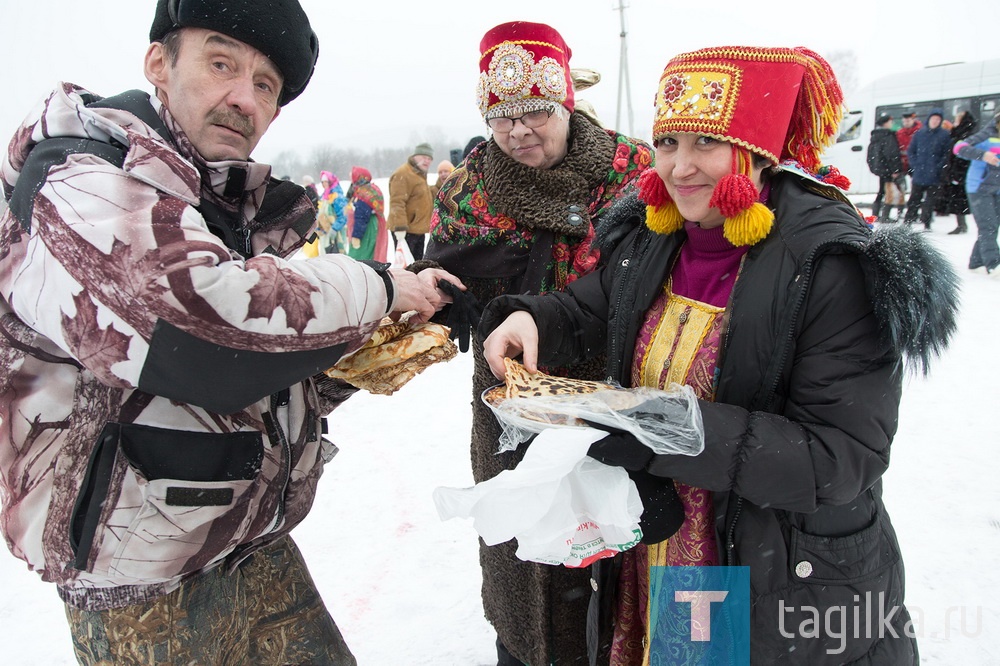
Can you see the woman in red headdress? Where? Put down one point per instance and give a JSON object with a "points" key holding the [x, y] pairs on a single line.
{"points": [[517, 215], [369, 237], [743, 271]]}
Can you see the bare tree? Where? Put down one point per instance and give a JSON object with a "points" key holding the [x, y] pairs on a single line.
{"points": [[381, 162], [288, 163], [386, 160], [323, 157], [845, 66]]}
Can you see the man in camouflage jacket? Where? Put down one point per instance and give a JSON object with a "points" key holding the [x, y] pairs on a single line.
{"points": [[160, 417]]}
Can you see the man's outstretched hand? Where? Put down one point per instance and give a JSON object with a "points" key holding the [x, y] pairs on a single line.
{"points": [[421, 292]]}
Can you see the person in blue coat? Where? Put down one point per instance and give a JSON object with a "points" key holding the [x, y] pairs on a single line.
{"points": [[982, 184], [928, 153]]}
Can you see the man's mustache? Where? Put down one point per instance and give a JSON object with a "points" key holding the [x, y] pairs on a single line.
{"points": [[232, 120]]}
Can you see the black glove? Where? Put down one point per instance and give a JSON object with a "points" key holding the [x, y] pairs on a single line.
{"points": [[663, 512], [620, 448], [463, 317]]}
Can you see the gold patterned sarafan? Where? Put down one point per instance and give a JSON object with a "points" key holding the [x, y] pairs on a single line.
{"points": [[679, 342], [700, 100], [513, 72]]}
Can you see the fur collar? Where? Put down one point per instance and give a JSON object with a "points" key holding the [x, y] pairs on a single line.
{"points": [[915, 293], [541, 198], [618, 221]]}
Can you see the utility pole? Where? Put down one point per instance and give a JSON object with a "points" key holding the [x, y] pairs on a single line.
{"points": [[623, 82]]}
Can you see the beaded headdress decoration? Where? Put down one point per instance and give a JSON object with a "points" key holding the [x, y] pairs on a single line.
{"points": [[523, 67], [781, 103]]}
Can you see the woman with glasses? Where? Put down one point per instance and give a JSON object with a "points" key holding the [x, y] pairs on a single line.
{"points": [[518, 216]]}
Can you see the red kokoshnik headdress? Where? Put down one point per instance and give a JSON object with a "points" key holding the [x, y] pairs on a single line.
{"points": [[781, 103], [523, 67]]}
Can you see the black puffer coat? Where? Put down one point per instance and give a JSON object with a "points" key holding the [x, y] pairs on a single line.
{"points": [[952, 199], [883, 153], [821, 319]]}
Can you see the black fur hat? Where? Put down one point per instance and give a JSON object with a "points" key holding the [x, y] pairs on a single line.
{"points": [[277, 28]]}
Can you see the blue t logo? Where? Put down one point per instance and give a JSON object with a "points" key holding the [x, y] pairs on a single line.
{"points": [[699, 615]]}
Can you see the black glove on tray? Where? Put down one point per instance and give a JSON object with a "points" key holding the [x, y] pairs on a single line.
{"points": [[662, 510], [464, 315]]}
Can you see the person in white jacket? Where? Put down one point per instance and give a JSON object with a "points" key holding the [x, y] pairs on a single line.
{"points": [[161, 393]]}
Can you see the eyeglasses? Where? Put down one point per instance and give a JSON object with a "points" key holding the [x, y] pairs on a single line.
{"points": [[531, 120]]}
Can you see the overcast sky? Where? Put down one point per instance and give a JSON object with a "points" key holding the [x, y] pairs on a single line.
{"points": [[395, 72]]}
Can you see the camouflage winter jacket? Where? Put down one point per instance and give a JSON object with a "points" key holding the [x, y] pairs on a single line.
{"points": [[158, 411]]}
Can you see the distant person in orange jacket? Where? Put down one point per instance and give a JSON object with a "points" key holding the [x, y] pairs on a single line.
{"points": [[411, 200]]}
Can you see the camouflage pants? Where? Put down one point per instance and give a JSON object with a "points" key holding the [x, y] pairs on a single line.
{"points": [[268, 611]]}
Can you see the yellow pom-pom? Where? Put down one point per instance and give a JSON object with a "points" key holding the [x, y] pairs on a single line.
{"points": [[748, 227], [665, 219]]}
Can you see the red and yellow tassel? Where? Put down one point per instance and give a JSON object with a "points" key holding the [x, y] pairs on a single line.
{"points": [[747, 220], [750, 226], [817, 114], [662, 215]]}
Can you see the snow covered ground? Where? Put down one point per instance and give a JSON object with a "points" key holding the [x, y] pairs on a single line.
{"points": [[404, 586]]}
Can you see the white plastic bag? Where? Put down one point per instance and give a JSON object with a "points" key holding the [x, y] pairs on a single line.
{"points": [[402, 257], [562, 506]]}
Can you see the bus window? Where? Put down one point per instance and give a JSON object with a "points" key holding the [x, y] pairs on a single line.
{"points": [[988, 107], [896, 111], [850, 127], [952, 107]]}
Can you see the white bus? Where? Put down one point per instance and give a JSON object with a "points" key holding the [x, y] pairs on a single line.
{"points": [[964, 86]]}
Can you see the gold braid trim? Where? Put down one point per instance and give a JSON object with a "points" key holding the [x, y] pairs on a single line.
{"points": [[529, 42]]}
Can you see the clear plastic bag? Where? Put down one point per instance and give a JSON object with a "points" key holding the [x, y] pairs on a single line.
{"points": [[667, 421]]}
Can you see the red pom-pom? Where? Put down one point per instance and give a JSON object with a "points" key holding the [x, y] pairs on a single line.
{"points": [[734, 194], [652, 191], [832, 176]]}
